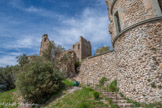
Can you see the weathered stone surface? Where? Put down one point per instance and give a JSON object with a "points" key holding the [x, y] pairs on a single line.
{"points": [[137, 58], [93, 69], [44, 44], [82, 48], [66, 63]]}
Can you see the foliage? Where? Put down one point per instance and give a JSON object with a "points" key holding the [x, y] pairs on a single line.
{"points": [[153, 85], [38, 80], [102, 49], [77, 64], [121, 94], [111, 103], [102, 81], [7, 97], [8, 76], [22, 60], [68, 82], [53, 51], [96, 95], [112, 87], [137, 104], [79, 99], [114, 106]]}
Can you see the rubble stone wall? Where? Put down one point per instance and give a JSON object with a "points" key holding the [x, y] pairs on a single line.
{"points": [[136, 61], [139, 59], [94, 68], [82, 48]]}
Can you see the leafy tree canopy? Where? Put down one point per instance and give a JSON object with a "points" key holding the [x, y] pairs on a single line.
{"points": [[102, 49]]}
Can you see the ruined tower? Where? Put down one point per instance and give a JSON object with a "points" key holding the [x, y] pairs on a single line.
{"points": [[82, 48], [136, 30], [44, 44]]}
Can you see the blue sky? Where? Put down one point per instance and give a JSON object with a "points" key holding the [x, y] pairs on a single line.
{"points": [[23, 22]]}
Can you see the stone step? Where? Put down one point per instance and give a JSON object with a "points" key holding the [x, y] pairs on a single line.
{"points": [[125, 105], [120, 101]]}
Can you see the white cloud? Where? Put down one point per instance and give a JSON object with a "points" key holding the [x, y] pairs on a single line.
{"points": [[7, 60], [27, 41], [91, 24], [42, 12]]}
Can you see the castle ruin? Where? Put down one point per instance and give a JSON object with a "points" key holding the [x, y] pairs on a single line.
{"points": [[82, 49], [44, 44], [136, 62]]}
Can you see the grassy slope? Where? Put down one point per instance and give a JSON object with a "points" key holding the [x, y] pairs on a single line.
{"points": [[79, 99], [7, 98]]}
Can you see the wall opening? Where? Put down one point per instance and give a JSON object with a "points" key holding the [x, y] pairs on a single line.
{"points": [[78, 46], [160, 4], [117, 20], [45, 39]]}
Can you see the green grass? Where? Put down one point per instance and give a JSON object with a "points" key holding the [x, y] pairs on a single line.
{"points": [[137, 104], [102, 81], [7, 98], [79, 99], [68, 82]]}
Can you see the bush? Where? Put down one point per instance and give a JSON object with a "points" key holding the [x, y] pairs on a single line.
{"points": [[113, 86], [77, 64], [96, 95], [37, 81], [102, 81], [8, 77]]}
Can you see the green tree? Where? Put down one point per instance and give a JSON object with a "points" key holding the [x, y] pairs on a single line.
{"points": [[22, 60], [8, 75], [53, 51], [38, 80], [102, 49]]}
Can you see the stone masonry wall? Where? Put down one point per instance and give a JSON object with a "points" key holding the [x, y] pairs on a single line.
{"points": [[85, 48], [44, 44], [82, 48], [94, 68], [139, 59]]}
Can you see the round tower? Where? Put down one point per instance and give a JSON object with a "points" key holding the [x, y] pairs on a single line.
{"points": [[136, 29]]}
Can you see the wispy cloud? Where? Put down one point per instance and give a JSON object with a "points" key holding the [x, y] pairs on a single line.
{"points": [[90, 24], [43, 12], [22, 34], [7, 60], [24, 42]]}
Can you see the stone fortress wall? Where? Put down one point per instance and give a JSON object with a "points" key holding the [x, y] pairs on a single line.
{"points": [[82, 48], [136, 62]]}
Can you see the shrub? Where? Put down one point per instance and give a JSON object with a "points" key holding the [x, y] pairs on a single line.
{"points": [[37, 81], [113, 86], [153, 85], [96, 95], [77, 64], [102, 81], [121, 95], [8, 76], [137, 104]]}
